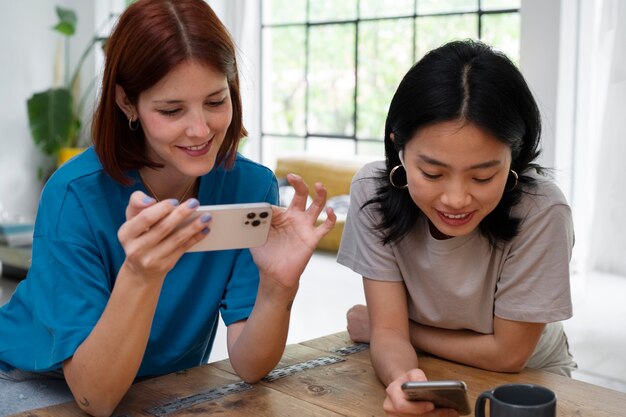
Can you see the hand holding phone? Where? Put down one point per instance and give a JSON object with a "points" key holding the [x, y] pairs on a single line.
{"points": [[234, 226], [444, 394]]}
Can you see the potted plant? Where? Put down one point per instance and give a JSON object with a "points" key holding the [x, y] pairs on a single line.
{"points": [[54, 115]]}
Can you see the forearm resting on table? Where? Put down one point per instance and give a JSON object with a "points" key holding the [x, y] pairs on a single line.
{"points": [[256, 345], [106, 363], [506, 350], [392, 355]]}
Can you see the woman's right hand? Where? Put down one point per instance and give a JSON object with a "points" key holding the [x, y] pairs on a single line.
{"points": [[155, 234], [397, 405]]}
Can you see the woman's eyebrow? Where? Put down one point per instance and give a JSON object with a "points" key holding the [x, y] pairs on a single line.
{"points": [[482, 165], [220, 91], [174, 101]]}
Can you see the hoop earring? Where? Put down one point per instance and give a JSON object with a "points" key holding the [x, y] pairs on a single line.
{"points": [[516, 180], [393, 171], [131, 126]]}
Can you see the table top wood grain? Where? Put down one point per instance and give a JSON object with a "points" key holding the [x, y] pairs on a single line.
{"points": [[347, 387]]}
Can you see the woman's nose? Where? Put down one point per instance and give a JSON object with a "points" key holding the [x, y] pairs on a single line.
{"points": [[456, 196], [197, 125]]}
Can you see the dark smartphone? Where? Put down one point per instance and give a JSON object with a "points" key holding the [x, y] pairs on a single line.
{"points": [[444, 394]]}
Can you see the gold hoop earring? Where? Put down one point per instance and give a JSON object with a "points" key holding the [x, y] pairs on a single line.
{"points": [[130, 124], [516, 180], [393, 171]]}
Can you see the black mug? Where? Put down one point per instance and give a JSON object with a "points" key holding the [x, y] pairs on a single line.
{"points": [[517, 400]]}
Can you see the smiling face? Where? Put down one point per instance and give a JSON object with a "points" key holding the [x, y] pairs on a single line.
{"points": [[456, 175], [184, 117]]}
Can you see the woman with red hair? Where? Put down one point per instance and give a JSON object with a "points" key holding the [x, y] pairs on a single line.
{"points": [[112, 294]]}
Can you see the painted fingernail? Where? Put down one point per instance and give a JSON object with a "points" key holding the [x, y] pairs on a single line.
{"points": [[193, 203], [206, 230], [173, 202], [205, 218], [148, 200]]}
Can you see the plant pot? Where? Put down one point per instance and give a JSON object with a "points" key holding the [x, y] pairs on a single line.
{"points": [[65, 154]]}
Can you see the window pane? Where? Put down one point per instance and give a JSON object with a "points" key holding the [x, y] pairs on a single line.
{"points": [[499, 4], [284, 82], [331, 79], [374, 149], [385, 55], [502, 31], [384, 8], [332, 10], [284, 11], [438, 6], [433, 32], [336, 148], [275, 147]]}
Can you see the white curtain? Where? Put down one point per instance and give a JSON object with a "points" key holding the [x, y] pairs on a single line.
{"points": [[608, 226], [599, 196]]}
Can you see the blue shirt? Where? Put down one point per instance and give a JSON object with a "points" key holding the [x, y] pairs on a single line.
{"points": [[77, 256]]}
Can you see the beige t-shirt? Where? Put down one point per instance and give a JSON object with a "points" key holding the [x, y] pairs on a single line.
{"points": [[462, 282]]}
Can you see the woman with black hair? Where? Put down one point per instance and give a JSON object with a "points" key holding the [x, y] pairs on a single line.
{"points": [[462, 241]]}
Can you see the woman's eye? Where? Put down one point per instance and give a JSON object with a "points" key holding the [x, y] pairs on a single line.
{"points": [[216, 103], [169, 112], [430, 176], [483, 180]]}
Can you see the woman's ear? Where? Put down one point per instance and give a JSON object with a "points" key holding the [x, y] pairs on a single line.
{"points": [[401, 156], [124, 103]]}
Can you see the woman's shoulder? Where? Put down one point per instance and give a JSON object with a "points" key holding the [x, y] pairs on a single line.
{"points": [[83, 168], [251, 167], [541, 196], [370, 171], [368, 176]]}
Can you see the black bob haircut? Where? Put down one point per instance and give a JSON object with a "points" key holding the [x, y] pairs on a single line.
{"points": [[461, 80]]}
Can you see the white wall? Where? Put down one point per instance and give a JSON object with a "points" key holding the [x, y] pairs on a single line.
{"points": [[27, 52], [539, 62], [28, 55]]}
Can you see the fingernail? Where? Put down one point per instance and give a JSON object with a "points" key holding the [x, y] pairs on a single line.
{"points": [[205, 218], [193, 203], [206, 230], [173, 202], [148, 200]]}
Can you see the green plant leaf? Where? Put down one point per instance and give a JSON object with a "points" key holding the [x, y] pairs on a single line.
{"points": [[67, 21], [52, 122]]}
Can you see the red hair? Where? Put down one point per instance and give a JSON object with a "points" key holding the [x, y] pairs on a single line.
{"points": [[150, 39]]}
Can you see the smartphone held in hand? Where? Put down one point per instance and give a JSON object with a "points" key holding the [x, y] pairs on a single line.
{"points": [[444, 394], [234, 226]]}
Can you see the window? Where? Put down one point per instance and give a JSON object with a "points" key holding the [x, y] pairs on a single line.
{"points": [[329, 68]]}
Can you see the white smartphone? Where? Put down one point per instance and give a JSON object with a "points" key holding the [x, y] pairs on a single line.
{"points": [[444, 394], [234, 226]]}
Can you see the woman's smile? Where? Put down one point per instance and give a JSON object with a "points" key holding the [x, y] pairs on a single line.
{"points": [[197, 150], [458, 219]]}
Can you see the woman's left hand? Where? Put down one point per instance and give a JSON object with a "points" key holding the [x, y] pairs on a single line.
{"points": [[293, 235]]}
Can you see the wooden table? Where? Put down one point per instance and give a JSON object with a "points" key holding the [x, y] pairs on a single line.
{"points": [[324, 377]]}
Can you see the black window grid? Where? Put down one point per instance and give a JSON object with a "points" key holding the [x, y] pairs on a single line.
{"points": [[479, 12]]}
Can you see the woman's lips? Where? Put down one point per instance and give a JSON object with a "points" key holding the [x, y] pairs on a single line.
{"points": [[455, 219], [196, 150]]}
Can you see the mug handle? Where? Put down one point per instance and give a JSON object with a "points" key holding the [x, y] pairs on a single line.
{"points": [[479, 410]]}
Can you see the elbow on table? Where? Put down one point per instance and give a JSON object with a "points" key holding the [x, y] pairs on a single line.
{"points": [[250, 376], [508, 363], [102, 408]]}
